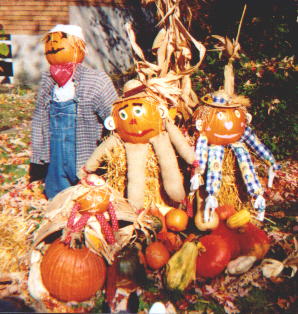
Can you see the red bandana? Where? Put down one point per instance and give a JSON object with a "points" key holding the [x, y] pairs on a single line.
{"points": [[61, 73]]}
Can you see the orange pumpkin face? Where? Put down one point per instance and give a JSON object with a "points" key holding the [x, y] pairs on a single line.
{"points": [[137, 120], [224, 126], [71, 274], [61, 48], [97, 199]]}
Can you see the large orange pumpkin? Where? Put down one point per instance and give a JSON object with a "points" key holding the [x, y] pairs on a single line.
{"points": [[224, 126], [137, 119], [61, 48], [72, 274]]}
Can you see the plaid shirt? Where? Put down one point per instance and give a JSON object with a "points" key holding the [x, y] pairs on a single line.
{"points": [[95, 94]]}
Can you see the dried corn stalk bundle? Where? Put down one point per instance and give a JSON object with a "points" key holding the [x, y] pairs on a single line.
{"points": [[169, 79], [59, 209]]}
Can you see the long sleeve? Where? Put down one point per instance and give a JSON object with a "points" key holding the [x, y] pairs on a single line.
{"points": [[250, 138]]}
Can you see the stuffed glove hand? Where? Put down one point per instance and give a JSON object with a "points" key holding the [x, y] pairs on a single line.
{"points": [[195, 182], [272, 174], [260, 205], [211, 204]]}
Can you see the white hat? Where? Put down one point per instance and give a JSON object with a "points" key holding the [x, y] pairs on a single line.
{"points": [[74, 30]]}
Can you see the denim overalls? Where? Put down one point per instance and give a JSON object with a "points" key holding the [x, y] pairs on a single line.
{"points": [[62, 168]]}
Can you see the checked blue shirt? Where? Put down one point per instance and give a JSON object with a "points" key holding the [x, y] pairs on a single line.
{"points": [[95, 93]]}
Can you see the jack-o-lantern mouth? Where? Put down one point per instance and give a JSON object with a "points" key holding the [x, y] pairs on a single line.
{"points": [[226, 135], [140, 133], [53, 51]]}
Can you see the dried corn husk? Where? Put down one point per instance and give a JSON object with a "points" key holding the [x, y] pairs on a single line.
{"points": [[169, 79], [58, 211]]}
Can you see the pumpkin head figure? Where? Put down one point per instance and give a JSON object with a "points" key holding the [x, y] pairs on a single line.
{"points": [[64, 44], [136, 119], [222, 120]]}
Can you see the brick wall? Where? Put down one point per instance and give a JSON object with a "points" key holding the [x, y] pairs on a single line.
{"points": [[35, 17]]}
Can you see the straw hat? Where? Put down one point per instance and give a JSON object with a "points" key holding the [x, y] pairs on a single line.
{"points": [[74, 30], [133, 89], [221, 99]]}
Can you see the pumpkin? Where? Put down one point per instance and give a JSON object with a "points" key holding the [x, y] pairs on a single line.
{"points": [[61, 48], [231, 237], [176, 219], [72, 274], [253, 241], [224, 126], [157, 255], [215, 258], [137, 119], [225, 211]]}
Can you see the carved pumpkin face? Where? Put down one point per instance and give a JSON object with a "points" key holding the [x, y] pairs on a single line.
{"points": [[97, 199], [138, 119], [224, 126], [61, 48]]}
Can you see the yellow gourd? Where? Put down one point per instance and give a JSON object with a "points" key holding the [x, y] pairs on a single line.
{"points": [[181, 267], [239, 219]]}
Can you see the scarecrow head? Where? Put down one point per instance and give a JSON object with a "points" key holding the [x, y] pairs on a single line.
{"points": [[137, 116], [64, 44], [222, 118]]}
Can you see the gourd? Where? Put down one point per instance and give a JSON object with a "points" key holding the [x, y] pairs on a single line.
{"points": [[205, 225], [72, 274], [61, 48], [240, 265], [181, 267], [238, 219]]}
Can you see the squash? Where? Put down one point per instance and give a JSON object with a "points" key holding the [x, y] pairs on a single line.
{"points": [[61, 48], [181, 267], [239, 219], [240, 265], [72, 274]]}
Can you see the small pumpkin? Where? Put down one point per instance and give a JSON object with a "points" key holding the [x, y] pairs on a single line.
{"points": [[61, 48], [96, 200], [176, 219], [225, 211], [157, 255], [137, 119], [215, 258], [72, 274]]}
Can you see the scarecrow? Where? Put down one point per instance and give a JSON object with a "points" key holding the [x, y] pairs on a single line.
{"points": [[223, 125], [139, 122], [72, 100]]}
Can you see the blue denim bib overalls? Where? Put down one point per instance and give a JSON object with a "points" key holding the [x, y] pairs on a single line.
{"points": [[62, 168]]}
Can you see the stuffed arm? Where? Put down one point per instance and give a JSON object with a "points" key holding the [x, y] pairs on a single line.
{"points": [[250, 138]]}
